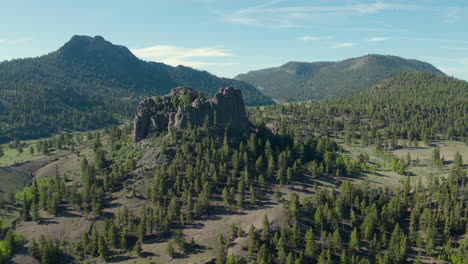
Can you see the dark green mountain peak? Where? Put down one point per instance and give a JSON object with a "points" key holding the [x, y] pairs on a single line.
{"points": [[86, 84], [86, 47], [298, 81], [301, 68]]}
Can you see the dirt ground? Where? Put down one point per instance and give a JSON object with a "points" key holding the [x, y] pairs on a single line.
{"points": [[205, 231]]}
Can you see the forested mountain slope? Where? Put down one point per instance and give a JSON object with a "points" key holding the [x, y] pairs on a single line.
{"points": [[88, 83], [413, 106], [299, 81]]}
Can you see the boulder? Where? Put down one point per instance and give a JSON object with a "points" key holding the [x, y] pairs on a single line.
{"points": [[184, 106]]}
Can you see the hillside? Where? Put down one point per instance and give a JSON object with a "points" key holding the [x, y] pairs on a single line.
{"points": [[408, 106], [299, 81], [89, 83], [302, 193]]}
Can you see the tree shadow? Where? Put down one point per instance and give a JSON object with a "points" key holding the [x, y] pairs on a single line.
{"points": [[120, 258], [47, 221], [146, 254]]}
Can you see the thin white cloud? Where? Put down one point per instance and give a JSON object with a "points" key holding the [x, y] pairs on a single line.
{"points": [[174, 55], [452, 15], [14, 41], [272, 16], [308, 38], [375, 39], [438, 40], [342, 45], [455, 48], [464, 61]]}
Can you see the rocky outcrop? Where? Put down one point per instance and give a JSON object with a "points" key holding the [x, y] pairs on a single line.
{"points": [[184, 106]]}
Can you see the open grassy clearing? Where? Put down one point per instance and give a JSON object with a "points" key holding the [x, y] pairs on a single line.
{"points": [[12, 156], [424, 169]]}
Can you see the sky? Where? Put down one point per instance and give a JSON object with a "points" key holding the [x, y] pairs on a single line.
{"points": [[231, 37]]}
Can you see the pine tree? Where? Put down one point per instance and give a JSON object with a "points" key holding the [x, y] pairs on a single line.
{"points": [[397, 249], [354, 242], [31, 150], [123, 244], [281, 249], [170, 250], [221, 251], [34, 250], [240, 193], [310, 244], [290, 258], [26, 208], [137, 248], [436, 157], [265, 228], [35, 212], [104, 252], [259, 165], [253, 197], [225, 195]]}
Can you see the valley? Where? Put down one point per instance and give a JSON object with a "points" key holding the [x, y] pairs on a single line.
{"points": [[362, 164], [115, 154]]}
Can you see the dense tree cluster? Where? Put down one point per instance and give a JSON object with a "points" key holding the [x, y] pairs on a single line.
{"points": [[10, 243], [79, 89], [217, 171], [302, 81], [411, 106], [359, 224], [204, 170]]}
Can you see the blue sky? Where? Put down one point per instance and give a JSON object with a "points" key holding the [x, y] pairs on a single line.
{"points": [[231, 37]]}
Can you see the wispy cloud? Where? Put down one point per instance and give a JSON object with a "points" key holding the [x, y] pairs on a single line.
{"points": [[455, 48], [375, 39], [342, 45], [464, 61], [14, 41], [271, 15], [452, 15], [437, 40], [308, 38], [174, 55]]}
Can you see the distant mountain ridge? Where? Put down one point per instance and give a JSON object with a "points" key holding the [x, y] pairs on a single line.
{"points": [[89, 83], [299, 81]]}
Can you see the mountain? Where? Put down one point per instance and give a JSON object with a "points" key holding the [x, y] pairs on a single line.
{"points": [[299, 81], [89, 83], [414, 105], [407, 106]]}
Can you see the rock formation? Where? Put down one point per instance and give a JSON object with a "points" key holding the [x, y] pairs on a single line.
{"points": [[183, 106]]}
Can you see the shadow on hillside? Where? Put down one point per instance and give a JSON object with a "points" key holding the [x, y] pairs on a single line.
{"points": [[47, 221], [120, 259]]}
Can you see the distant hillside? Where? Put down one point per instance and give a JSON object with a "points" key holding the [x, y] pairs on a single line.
{"points": [[409, 106], [89, 83], [299, 81]]}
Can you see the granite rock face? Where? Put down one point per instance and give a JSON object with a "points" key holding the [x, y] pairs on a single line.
{"points": [[184, 106]]}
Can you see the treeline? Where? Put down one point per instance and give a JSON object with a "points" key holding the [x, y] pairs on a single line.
{"points": [[360, 224], [45, 146], [85, 195], [412, 107], [76, 89], [203, 168], [302, 81], [10, 243]]}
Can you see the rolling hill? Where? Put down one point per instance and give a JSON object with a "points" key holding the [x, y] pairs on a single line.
{"points": [[299, 81], [89, 83]]}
